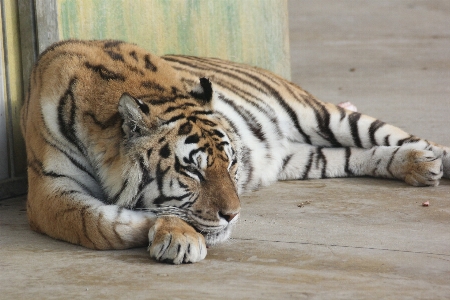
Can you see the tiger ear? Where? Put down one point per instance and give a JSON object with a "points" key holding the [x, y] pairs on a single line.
{"points": [[134, 112], [203, 92]]}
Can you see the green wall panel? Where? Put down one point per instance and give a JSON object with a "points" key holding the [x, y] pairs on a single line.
{"points": [[249, 31]]}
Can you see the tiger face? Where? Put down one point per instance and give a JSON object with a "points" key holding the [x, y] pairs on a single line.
{"points": [[187, 161]]}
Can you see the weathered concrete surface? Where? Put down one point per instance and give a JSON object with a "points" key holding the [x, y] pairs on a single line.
{"points": [[355, 239]]}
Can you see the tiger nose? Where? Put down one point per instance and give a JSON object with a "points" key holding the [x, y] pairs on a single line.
{"points": [[228, 217]]}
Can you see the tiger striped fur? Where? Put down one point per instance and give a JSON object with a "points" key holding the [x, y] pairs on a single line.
{"points": [[126, 148]]}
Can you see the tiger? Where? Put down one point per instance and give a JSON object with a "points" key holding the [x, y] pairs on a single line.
{"points": [[129, 149]]}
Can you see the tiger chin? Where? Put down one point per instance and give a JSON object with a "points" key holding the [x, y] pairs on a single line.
{"points": [[127, 149]]}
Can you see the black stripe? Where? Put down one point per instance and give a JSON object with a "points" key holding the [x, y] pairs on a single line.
{"points": [[139, 203], [160, 100], [288, 86], [181, 107], [202, 112], [112, 43], [58, 175], [231, 123], [163, 198], [138, 200], [252, 123], [388, 167], [353, 119], [286, 160], [321, 157], [116, 197], [66, 117], [152, 86], [146, 178], [217, 133], [342, 112], [115, 56], [247, 164], [226, 85], [160, 173], [173, 119], [263, 86], [236, 67], [308, 166], [250, 98], [104, 72], [75, 162], [37, 166], [323, 121], [84, 228], [375, 169], [410, 139], [204, 121], [134, 55], [148, 64], [377, 124], [220, 65], [220, 145], [54, 46], [210, 68], [348, 153], [291, 113]]}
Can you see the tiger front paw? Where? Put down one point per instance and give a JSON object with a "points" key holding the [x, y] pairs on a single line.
{"points": [[423, 168], [173, 240]]}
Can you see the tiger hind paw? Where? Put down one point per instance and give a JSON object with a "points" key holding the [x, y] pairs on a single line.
{"points": [[422, 168]]}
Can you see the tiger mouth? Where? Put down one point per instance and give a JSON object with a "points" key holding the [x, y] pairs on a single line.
{"points": [[214, 235]]}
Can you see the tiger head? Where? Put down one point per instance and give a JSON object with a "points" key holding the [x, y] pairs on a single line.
{"points": [[187, 162]]}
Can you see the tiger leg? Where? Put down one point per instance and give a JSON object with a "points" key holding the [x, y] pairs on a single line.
{"points": [[343, 128], [69, 214], [416, 167], [81, 219]]}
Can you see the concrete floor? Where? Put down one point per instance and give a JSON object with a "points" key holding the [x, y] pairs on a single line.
{"points": [[358, 238]]}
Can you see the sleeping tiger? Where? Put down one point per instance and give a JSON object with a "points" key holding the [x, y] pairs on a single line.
{"points": [[127, 149]]}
